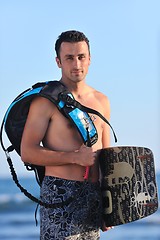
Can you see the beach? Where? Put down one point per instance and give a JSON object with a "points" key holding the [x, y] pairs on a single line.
{"points": [[17, 216]]}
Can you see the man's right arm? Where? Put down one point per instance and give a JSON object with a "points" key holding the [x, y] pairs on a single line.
{"points": [[40, 113]]}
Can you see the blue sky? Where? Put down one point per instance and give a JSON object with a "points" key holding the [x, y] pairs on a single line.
{"points": [[124, 37]]}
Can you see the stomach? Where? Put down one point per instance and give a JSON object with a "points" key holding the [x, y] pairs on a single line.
{"points": [[70, 140], [68, 171], [73, 172]]}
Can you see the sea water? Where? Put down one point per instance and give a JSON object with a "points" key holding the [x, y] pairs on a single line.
{"points": [[17, 219]]}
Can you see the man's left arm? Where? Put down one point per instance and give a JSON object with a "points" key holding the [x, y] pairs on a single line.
{"points": [[106, 127], [106, 140]]}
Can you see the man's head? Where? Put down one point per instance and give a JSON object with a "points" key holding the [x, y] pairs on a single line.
{"points": [[73, 56], [71, 37]]}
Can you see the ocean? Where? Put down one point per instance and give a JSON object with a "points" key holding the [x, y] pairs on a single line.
{"points": [[17, 216]]}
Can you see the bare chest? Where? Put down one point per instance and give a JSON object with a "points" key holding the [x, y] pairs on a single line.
{"points": [[62, 133]]}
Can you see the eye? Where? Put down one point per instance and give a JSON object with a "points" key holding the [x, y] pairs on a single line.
{"points": [[81, 57], [69, 57]]}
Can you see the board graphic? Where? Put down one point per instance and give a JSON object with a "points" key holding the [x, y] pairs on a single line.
{"points": [[129, 190]]}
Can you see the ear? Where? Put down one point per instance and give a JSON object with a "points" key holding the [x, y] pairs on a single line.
{"points": [[58, 61], [89, 59]]}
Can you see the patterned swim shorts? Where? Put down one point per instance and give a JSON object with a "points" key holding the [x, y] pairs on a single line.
{"points": [[80, 219]]}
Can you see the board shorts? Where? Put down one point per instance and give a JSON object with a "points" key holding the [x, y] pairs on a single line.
{"points": [[81, 218]]}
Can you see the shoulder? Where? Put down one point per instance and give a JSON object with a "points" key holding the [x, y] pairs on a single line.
{"points": [[42, 104], [104, 103], [101, 97]]}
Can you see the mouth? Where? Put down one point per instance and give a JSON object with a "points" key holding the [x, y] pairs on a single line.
{"points": [[76, 72]]}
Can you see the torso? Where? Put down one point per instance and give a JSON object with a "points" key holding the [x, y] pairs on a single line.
{"points": [[61, 135]]}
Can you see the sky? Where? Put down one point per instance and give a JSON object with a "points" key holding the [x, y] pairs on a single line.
{"points": [[125, 56]]}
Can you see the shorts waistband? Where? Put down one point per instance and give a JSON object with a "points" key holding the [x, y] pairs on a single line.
{"points": [[52, 178]]}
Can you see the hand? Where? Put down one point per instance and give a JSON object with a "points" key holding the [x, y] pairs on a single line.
{"points": [[85, 156], [104, 228]]}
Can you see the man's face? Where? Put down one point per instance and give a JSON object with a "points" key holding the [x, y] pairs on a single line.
{"points": [[74, 61]]}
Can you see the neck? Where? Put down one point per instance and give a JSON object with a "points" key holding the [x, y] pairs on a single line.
{"points": [[76, 88]]}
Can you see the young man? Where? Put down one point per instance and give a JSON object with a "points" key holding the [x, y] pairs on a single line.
{"points": [[63, 153]]}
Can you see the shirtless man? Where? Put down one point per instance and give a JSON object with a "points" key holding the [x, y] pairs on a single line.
{"points": [[63, 153]]}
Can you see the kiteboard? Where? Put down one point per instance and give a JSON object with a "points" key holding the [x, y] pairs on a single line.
{"points": [[129, 190]]}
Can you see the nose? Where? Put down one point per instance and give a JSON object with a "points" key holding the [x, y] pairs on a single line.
{"points": [[76, 63]]}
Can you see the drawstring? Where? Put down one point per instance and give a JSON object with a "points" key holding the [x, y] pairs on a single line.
{"points": [[35, 214], [88, 144]]}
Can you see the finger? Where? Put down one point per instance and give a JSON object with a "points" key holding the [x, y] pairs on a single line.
{"points": [[104, 228], [109, 228]]}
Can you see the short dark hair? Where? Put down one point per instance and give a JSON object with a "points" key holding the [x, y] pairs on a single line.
{"points": [[71, 36]]}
